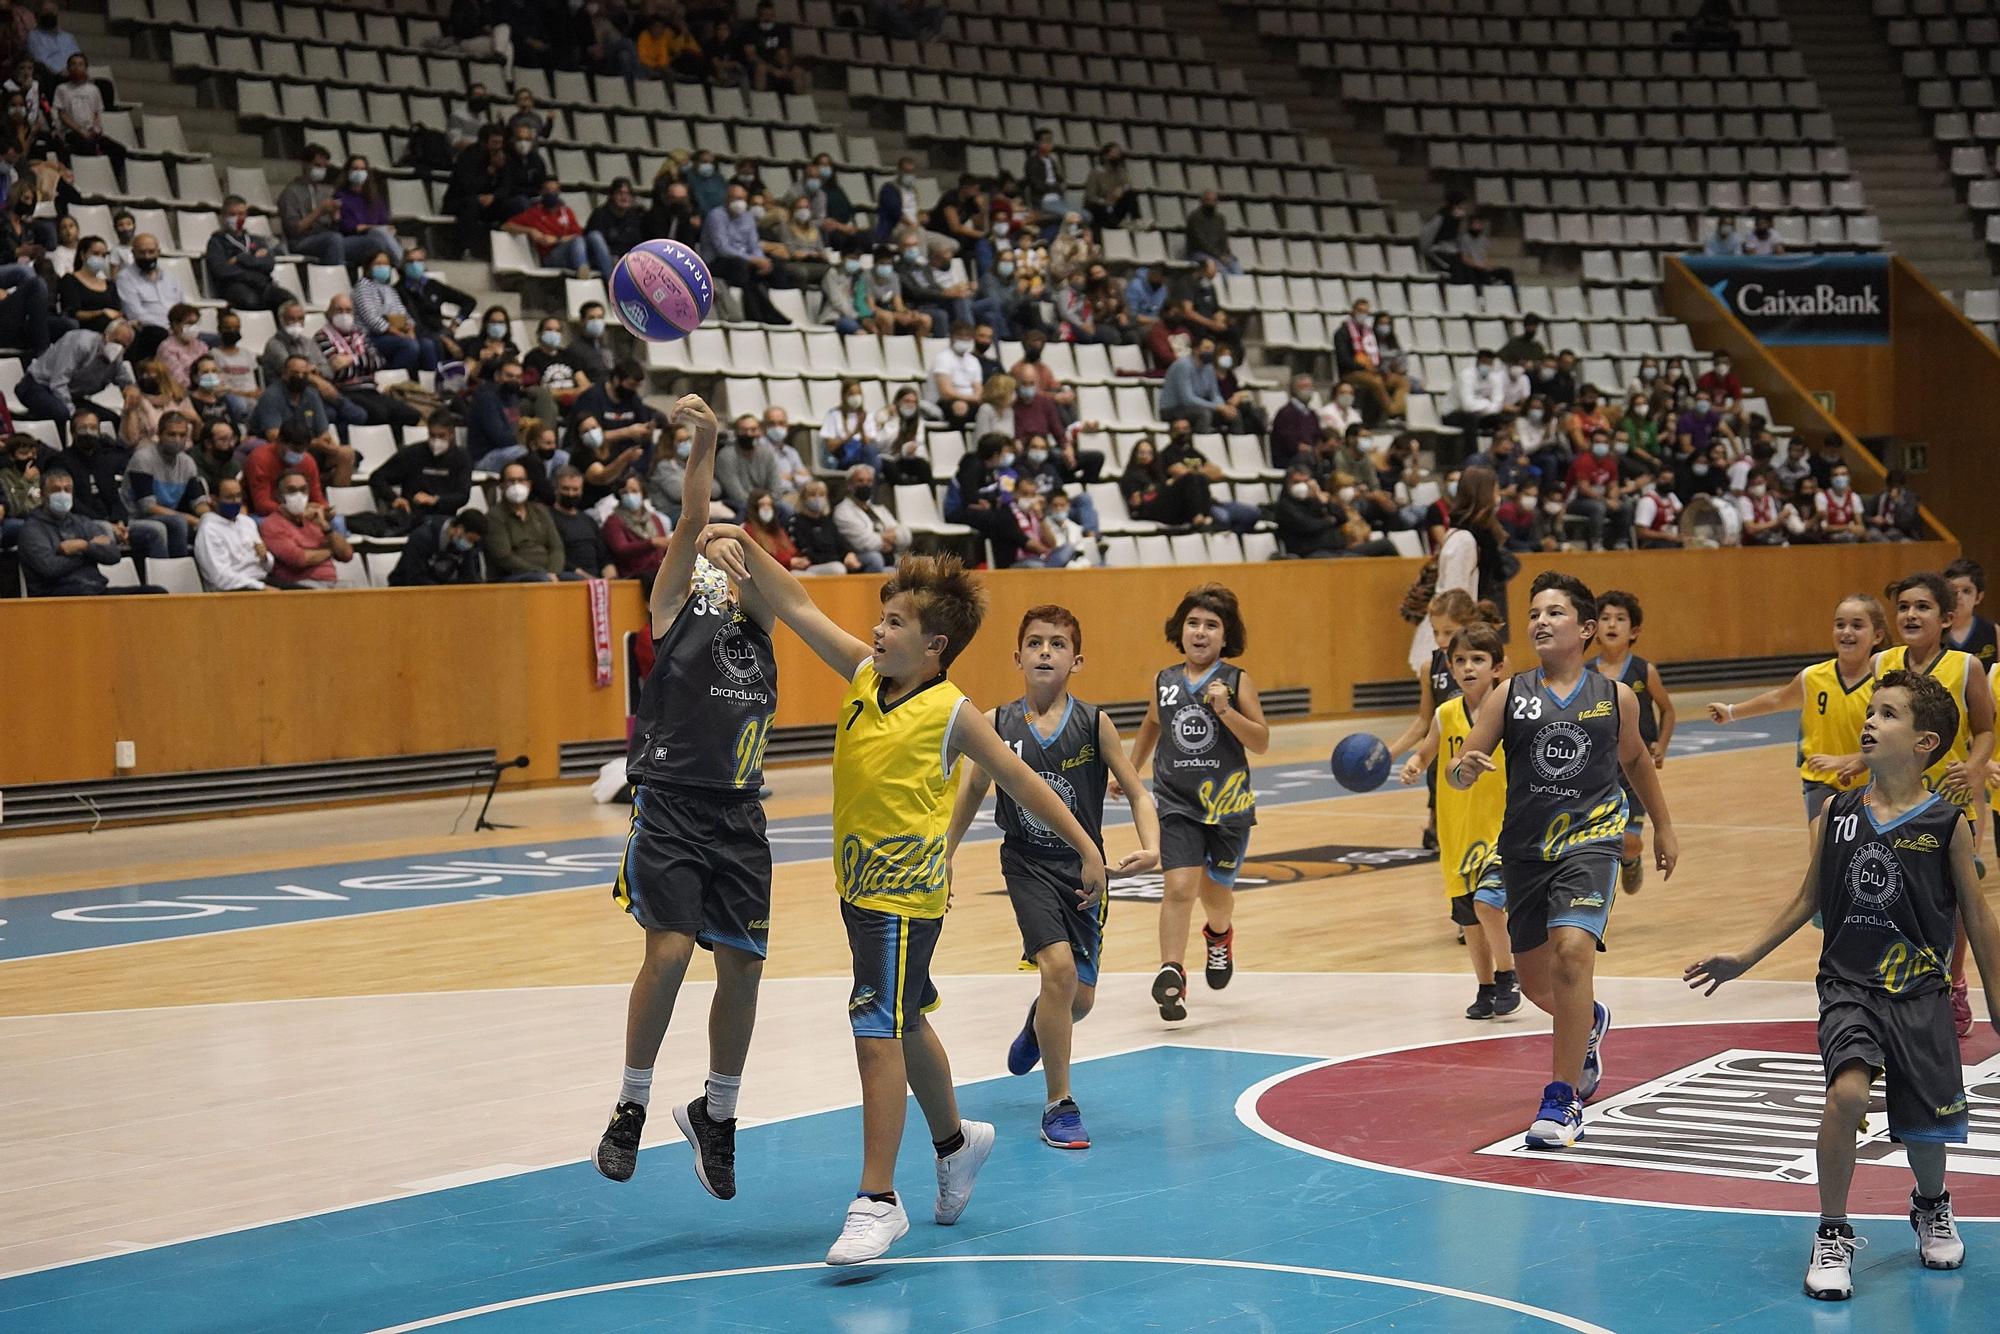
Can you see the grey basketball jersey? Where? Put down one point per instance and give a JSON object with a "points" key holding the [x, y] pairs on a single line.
{"points": [[1070, 762], [1564, 793], [1200, 771], [1886, 896], [705, 710]]}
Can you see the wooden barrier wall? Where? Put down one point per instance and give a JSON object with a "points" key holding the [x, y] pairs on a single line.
{"points": [[220, 682], [1947, 396]]}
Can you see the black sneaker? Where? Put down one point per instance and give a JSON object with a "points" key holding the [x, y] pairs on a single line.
{"points": [[714, 1144], [1430, 840], [1506, 994], [1170, 992], [1482, 1004], [617, 1153], [1221, 963]]}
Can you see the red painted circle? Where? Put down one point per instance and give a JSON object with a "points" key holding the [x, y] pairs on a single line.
{"points": [[1433, 1109]]}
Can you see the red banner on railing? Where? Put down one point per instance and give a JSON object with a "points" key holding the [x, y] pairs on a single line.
{"points": [[600, 628]]}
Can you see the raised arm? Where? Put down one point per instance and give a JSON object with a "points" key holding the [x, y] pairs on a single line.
{"points": [[1798, 910], [1144, 817], [787, 599], [1790, 695], [1637, 762], [670, 583], [973, 737]]}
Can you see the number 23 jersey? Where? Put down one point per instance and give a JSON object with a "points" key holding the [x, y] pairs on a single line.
{"points": [[1564, 793], [1886, 896]]}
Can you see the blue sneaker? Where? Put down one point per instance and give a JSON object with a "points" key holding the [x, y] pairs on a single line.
{"points": [[1026, 1051], [1559, 1123], [1062, 1127], [1593, 1055]]}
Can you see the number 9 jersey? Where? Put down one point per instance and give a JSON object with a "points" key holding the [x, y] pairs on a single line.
{"points": [[1830, 719]]}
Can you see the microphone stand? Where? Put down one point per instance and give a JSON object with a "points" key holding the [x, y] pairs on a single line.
{"points": [[492, 784]]}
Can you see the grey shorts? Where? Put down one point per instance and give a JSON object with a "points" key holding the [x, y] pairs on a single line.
{"points": [[1578, 890], [1910, 1039]]}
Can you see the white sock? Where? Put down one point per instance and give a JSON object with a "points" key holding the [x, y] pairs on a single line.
{"points": [[722, 1091], [638, 1086]]}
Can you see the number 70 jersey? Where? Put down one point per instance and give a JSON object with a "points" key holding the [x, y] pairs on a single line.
{"points": [[1886, 896]]}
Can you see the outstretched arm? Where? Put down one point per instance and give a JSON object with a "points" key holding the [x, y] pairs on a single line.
{"points": [[746, 562], [973, 737], [1716, 969], [1637, 762], [670, 582], [973, 785], [1790, 695], [1144, 816], [1477, 757], [1419, 725], [1421, 758]]}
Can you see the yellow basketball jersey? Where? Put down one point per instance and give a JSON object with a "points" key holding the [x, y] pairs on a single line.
{"points": [[1468, 820], [1830, 719], [1993, 786], [1949, 669], [893, 795]]}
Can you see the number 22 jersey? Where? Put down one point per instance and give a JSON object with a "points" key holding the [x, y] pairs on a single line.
{"points": [[1200, 771], [1886, 896]]}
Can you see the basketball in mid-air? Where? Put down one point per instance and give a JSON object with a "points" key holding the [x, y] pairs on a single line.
{"points": [[1361, 762], [662, 290]]}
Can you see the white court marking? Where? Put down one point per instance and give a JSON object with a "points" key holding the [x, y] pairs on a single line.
{"points": [[1409, 1285]]}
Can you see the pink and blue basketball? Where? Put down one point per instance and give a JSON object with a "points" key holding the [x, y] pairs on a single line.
{"points": [[1361, 762], [661, 290]]}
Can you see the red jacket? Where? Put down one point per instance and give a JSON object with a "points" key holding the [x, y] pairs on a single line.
{"points": [[262, 468], [1590, 470], [558, 222], [287, 538], [634, 555]]}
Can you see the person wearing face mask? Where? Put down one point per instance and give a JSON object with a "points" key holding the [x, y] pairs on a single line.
{"points": [[78, 104], [956, 379], [816, 536], [845, 437], [619, 223], [76, 366], [1296, 426], [792, 239], [435, 307], [208, 401], [584, 551], [1892, 515], [445, 549], [1763, 237], [309, 215], [1701, 425], [666, 484], [1107, 191], [184, 346], [1842, 512], [20, 483], [1656, 514], [1526, 344], [897, 445], [885, 294], [522, 543], [747, 461], [615, 402], [494, 414], [229, 548], [764, 46], [1595, 493], [1761, 511], [1190, 390], [522, 171], [548, 366], [475, 196], [706, 185], [166, 487], [845, 289], [1721, 384], [354, 362], [386, 319], [304, 546], [292, 399], [866, 525], [431, 477], [241, 264], [234, 362], [1341, 410], [61, 550], [1359, 360], [558, 238], [925, 287], [1725, 240], [996, 408], [769, 530], [1474, 263], [896, 207], [48, 43], [86, 293], [147, 291], [215, 452], [589, 351], [735, 253]]}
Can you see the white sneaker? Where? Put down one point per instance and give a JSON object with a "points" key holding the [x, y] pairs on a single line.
{"points": [[957, 1172], [1938, 1243], [1830, 1274], [872, 1227]]}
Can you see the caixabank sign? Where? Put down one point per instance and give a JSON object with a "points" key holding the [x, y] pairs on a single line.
{"points": [[1802, 298]]}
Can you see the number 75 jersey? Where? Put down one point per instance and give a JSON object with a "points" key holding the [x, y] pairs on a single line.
{"points": [[1886, 896]]}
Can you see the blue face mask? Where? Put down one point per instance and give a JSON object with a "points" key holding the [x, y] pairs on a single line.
{"points": [[912, 254], [381, 273], [413, 269], [461, 544], [705, 168], [229, 509], [886, 270], [294, 456], [594, 328]]}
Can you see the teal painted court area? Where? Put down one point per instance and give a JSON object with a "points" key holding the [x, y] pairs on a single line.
{"points": [[1180, 1217]]}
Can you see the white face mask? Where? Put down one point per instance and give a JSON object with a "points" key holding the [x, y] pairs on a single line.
{"points": [[961, 346], [852, 402], [295, 331], [1225, 361], [1299, 490], [765, 514], [343, 320], [295, 502], [1346, 494], [1757, 492], [189, 333], [517, 493], [802, 216], [593, 437], [440, 446]]}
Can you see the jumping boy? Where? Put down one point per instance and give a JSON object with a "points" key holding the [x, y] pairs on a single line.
{"points": [[1891, 867], [1619, 617], [899, 734], [697, 865], [1203, 718], [1075, 749], [1469, 822], [1568, 731]]}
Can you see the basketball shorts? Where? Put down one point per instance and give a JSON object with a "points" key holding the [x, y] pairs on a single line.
{"points": [[1489, 890], [1635, 808], [1043, 892], [698, 866], [1909, 1039], [1817, 795], [1216, 848], [892, 970], [1575, 891]]}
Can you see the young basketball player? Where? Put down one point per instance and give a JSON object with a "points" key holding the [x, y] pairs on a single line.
{"points": [[1450, 612], [1832, 700], [1075, 749], [1969, 632], [1891, 866], [1203, 718], [1923, 604], [1568, 733], [1619, 617], [899, 734], [697, 866], [1469, 822]]}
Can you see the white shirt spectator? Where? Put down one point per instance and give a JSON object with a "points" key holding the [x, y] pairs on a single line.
{"points": [[885, 427], [82, 102], [1519, 388], [1331, 414], [1458, 567], [148, 299], [1657, 510], [863, 527], [63, 260], [1739, 476], [962, 371], [1482, 391], [225, 551]]}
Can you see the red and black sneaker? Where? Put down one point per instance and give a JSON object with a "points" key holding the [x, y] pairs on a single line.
{"points": [[1170, 992], [1221, 957]]}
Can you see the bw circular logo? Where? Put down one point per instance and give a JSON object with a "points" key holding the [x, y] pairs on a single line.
{"points": [[1874, 877], [735, 656], [1194, 728], [1560, 751], [1036, 829]]}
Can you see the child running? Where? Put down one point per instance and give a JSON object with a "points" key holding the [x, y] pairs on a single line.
{"points": [[897, 738], [1075, 748], [1619, 617], [1891, 867], [1568, 731], [1450, 612], [697, 865], [1832, 700], [1203, 718], [1969, 632], [1468, 822]]}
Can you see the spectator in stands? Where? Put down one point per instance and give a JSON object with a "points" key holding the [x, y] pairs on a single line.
{"points": [[1034, 369], [354, 361], [616, 225], [674, 212], [792, 237], [63, 257], [292, 397], [736, 255], [1438, 242], [1526, 345], [588, 351], [719, 53], [386, 320], [844, 437], [477, 194], [421, 480], [79, 111], [927, 286], [1763, 237], [1072, 249], [817, 537], [1035, 414], [478, 30], [1721, 384], [522, 543], [49, 44], [493, 343], [20, 482], [302, 543], [1107, 191], [1341, 411], [1656, 514], [233, 361], [1701, 424], [897, 448], [955, 379], [618, 408], [364, 210], [1595, 493], [542, 454], [443, 549], [768, 532], [147, 291], [96, 463], [308, 213], [1794, 467], [1761, 512], [764, 46], [435, 307], [76, 367], [539, 124], [466, 117], [87, 294], [493, 417], [1585, 421], [1039, 548], [123, 230], [1146, 294], [229, 548], [240, 265], [1042, 174], [166, 486], [1725, 239], [1892, 516], [1841, 506], [1480, 399], [292, 340], [749, 463], [180, 351], [866, 526], [559, 239], [548, 367], [158, 395], [707, 190], [1183, 456], [1190, 390], [1310, 523], [1207, 235], [1196, 307], [845, 289], [584, 550], [1475, 258], [996, 408], [1358, 358], [61, 549], [961, 217], [635, 533], [831, 207], [215, 453], [668, 50], [1295, 426]]}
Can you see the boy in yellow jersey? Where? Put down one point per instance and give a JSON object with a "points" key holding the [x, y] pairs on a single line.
{"points": [[1923, 607], [1469, 819], [897, 739]]}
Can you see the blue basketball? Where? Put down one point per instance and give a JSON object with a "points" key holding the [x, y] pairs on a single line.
{"points": [[1361, 762], [661, 291]]}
